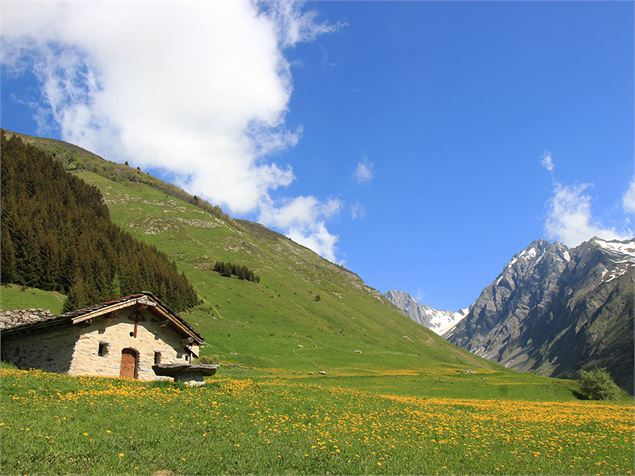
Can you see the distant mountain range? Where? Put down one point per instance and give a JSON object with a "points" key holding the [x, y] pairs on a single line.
{"points": [[434, 319], [552, 310]]}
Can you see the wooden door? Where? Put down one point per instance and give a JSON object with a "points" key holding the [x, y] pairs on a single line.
{"points": [[128, 364]]}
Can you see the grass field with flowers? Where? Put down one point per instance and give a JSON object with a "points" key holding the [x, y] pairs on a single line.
{"points": [[396, 398], [87, 425]]}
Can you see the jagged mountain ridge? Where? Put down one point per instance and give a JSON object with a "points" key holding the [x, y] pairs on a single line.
{"points": [[436, 320], [555, 310]]}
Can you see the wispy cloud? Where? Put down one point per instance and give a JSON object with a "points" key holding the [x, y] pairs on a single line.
{"points": [[547, 161], [294, 25], [628, 200], [357, 211], [570, 218], [205, 103], [364, 171]]}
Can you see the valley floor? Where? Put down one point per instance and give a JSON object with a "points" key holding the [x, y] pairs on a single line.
{"points": [[390, 424]]}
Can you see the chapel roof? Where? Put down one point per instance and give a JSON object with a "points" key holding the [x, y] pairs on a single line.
{"points": [[25, 319]]}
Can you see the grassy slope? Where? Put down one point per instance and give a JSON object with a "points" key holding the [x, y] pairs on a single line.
{"points": [[277, 323], [18, 297], [277, 326]]}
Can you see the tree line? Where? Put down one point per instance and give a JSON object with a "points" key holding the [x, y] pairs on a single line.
{"points": [[57, 235], [240, 271]]}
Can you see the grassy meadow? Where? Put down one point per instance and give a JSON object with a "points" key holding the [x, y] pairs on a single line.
{"points": [[396, 398], [58, 424], [19, 297]]}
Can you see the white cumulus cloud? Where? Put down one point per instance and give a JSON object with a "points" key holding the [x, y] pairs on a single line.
{"points": [[316, 238], [305, 219], [570, 219], [199, 90], [363, 172]]}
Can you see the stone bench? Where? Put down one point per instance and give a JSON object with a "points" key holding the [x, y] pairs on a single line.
{"points": [[188, 374]]}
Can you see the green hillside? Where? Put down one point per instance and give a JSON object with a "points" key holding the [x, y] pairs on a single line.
{"points": [[13, 296], [280, 322], [306, 314]]}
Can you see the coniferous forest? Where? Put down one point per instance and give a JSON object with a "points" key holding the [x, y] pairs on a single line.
{"points": [[57, 235]]}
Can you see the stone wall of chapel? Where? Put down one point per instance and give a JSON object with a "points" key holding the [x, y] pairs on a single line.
{"points": [[75, 349]]}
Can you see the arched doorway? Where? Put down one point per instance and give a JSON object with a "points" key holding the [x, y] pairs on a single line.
{"points": [[129, 363]]}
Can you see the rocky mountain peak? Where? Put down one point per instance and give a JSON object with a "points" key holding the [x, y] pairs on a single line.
{"points": [[603, 260], [538, 262], [438, 321], [554, 309]]}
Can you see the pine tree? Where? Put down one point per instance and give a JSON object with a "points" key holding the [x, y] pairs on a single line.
{"points": [[49, 258], [226, 269], [77, 296], [7, 267], [115, 287]]}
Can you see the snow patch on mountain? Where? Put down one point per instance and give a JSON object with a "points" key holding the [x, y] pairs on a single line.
{"points": [[621, 253], [438, 321], [616, 247]]}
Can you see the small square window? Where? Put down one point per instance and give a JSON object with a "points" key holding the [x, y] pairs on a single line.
{"points": [[157, 358], [103, 349]]}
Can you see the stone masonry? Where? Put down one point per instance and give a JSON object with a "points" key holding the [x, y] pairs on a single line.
{"points": [[74, 349]]}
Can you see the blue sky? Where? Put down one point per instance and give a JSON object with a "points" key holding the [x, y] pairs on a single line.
{"points": [[450, 107]]}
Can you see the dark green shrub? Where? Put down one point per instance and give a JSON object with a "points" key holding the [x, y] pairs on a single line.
{"points": [[597, 384], [232, 269]]}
